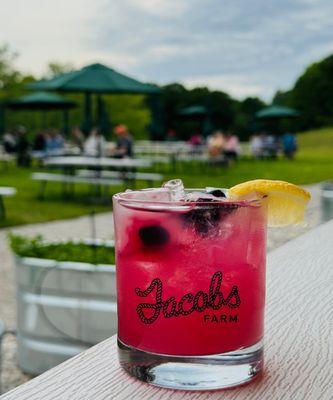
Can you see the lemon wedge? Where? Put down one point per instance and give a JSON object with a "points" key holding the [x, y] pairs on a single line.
{"points": [[286, 201]]}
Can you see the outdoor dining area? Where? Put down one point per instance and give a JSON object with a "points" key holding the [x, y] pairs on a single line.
{"points": [[66, 308], [83, 155], [166, 200]]}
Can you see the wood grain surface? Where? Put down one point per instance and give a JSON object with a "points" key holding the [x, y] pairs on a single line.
{"points": [[298, 341]]}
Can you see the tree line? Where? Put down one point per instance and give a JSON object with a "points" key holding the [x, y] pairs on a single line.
{"points": [[311, 95]]}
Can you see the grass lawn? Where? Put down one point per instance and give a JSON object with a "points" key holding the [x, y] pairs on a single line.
{"points": [[314, 163]]}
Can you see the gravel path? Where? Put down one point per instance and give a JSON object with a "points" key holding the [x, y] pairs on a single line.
{"points": [[81, 228]]}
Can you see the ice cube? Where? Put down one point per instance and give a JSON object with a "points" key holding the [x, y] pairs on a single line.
{"points": [[176, 190], [195, 196]]}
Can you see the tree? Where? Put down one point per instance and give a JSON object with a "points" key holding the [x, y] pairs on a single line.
{"points": [[10, 78], [174, 97], [12, 84], [312, 95], [245, 124], [55, 68]]}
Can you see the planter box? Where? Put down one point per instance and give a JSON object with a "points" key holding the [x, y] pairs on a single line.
{"points": [[62, 309]]}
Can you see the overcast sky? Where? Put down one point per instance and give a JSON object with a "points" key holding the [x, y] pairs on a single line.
{"points": [[245, 47]]}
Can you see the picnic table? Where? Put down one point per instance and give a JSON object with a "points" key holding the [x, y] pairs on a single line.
{"points": [[298, 341], [174, 151], [97, 162], [5, 191], [124, 172], [5, 159]]}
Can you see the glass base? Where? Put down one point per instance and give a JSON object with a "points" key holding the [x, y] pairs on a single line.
{"points": [[219, 371]]}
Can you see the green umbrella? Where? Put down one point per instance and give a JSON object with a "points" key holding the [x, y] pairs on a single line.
{"points": [[275, 112], [95, 78], [198, 112], [42, 101]]}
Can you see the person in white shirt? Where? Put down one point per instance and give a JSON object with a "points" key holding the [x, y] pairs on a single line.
{"points": [[256, 146], [94, 146]]}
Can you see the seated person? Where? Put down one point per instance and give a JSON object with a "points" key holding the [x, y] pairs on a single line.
{"points": [[23, 157], [289, 145], [271, 146], [124, 142], [216, 144], [171, 136], [54, 142], [77, 138], [40, 141], [94, 146], [256, 146], [231, 146], [9, 142], [195, 140]]}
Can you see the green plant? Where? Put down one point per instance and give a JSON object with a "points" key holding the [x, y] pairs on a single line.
{"points": [[61, 251]]}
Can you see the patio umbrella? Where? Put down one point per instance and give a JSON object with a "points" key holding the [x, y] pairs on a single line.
{"points": [[43, 101], [94, 79], [275, 112], [198, 112], [40, 101]]}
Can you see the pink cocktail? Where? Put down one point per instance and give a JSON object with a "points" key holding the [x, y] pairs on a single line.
{"points": [[191, 288]]}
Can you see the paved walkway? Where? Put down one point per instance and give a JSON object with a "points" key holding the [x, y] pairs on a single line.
{"points": [[81, 228]]}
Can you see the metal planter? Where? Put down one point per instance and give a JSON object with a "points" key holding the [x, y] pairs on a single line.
{"points": [[62, 309]]}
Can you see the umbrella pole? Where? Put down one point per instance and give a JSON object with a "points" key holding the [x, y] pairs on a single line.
{"points": [[43, 118], [2, 120], [87, 112], [66, 122], [207, 126], [99, 111], [157, 128]]}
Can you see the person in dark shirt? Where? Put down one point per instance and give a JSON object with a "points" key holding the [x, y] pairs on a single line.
{"points": [[171, 136], [289, 145], [77, 138], [40, 141], [23, 158], [124, 142]]}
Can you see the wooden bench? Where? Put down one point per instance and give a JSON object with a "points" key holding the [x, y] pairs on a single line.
{"points": [[298, 341], [155, 159], [128, 177], [5, 191], [70, 180], [6, 159]]}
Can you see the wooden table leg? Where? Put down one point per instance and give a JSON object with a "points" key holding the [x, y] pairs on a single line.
{"points": [[2, 209]]}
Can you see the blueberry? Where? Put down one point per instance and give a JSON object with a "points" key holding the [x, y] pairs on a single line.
{"points": [[154, 235], [205, 218], [217, 193]]}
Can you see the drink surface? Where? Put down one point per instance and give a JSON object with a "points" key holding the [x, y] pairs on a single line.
{"points": [[190, 280]]}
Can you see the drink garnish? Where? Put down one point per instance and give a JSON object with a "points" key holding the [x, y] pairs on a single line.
{"points": [[286, 201]]}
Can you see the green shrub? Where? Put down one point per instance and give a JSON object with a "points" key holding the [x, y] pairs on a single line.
{"points": [[61, 251]]}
